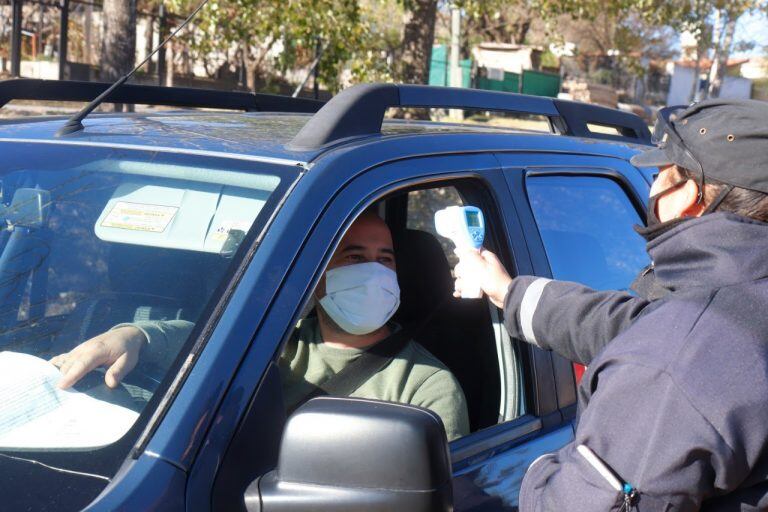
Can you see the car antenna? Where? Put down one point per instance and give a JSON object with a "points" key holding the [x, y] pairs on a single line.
{"points": [[75, 123]]}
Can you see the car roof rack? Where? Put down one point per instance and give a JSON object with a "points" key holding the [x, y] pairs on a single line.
{"points": [[70, 90], [359, 111]]}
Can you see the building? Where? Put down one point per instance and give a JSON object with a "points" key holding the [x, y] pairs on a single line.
{"points": [[685, 86]]}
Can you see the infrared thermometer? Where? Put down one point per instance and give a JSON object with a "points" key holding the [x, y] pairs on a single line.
{"points": [[465, 226]]}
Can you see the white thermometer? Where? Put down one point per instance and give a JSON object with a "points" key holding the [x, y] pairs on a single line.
{"points": [[465, 226]]}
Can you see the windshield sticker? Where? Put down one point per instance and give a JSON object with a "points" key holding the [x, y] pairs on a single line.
{"points": [[139, 217]]}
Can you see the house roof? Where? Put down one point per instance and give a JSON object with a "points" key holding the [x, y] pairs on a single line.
{"points": [[507, 47], [705, 64]]}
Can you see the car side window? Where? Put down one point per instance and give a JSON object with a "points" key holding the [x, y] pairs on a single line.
{"points": [[459, 339], [585, 224], [460, 332], [422, 205]]}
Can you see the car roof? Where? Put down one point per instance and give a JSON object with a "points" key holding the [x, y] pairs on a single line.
{"points": [[302, 131], [232, 133], [241, 134]]}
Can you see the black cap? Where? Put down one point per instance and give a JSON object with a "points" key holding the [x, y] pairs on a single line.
{"points": [[725, 140]]}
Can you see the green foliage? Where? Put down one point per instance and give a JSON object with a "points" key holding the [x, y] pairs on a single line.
{"points": [[681, 14], [383, 38], [549, 60], [364, 38], [280, 34], [548, 9], [692, 15]]}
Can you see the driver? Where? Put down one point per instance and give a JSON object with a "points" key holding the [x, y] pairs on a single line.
{"points": [[357, 296]]}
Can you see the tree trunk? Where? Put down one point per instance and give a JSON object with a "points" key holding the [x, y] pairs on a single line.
{"points": [[149, 40], [696, 73], [418, 39], [701, 50], [250, 63], [720, 63], [118, 49], [170, 57], [521, 29], [88, 34]]}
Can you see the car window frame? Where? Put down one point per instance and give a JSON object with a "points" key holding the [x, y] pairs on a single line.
{"points": [[356, 195], [475, 193], [626, 176]]}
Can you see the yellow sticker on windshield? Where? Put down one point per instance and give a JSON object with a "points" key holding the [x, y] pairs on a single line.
{"points": [[139, 217]]}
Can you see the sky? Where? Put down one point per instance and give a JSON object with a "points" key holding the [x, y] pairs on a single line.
{"points": [[753, 28]]}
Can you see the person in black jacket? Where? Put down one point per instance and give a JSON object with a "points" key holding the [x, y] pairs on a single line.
{"points": [[673, 408]]}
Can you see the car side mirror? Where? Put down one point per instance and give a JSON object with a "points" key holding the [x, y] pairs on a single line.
{"points": [[348, 454]]}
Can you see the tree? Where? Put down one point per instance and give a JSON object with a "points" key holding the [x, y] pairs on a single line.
{"points": [[510, 21], [501, 22], [418, 38], [695, 16], [273, 35], [118, 48], [728, 13]]}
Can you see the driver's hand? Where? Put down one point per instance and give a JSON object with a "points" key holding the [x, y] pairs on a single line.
{"points": [[487, 269], [117, 349]]}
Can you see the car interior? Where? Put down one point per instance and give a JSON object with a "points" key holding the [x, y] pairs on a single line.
{"points": [[62, 284], [456, 331], [459, 332]]}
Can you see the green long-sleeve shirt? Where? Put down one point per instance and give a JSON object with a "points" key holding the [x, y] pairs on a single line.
{"points": [[414, 376]]}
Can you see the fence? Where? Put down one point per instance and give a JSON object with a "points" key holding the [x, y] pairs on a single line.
{"points": [[66, 34], [532, 82], [510, 82], [529, 81]]}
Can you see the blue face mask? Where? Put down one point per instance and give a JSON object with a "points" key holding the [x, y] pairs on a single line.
{"points": [[361, 298]]}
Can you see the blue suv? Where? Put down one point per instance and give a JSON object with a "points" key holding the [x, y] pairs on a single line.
{"points": [[227, 220]]}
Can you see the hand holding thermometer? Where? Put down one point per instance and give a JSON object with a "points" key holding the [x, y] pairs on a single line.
{"points": [[465, 226]]}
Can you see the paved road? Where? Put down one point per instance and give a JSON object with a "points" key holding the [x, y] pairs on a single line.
{"points": [[12, 111]]}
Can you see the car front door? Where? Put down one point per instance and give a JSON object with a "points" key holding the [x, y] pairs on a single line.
{"points": [[489, 462]]}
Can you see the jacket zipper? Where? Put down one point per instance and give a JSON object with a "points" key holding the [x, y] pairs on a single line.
{"points": [[630, 493]]}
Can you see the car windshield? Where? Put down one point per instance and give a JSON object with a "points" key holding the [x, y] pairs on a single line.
{"points": [[92, 238]]}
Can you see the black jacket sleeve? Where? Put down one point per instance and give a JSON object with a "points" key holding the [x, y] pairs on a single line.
{"points": [[571, 319]]}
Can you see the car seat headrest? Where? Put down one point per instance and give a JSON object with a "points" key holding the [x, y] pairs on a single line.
{"points": [[423, 273]]}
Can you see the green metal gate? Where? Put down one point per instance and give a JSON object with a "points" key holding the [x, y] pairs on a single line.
{"points": [[531, 82], [541, 84], [438, 68]]}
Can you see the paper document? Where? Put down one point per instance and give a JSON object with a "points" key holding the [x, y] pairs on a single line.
{"points": [[36, 415]]}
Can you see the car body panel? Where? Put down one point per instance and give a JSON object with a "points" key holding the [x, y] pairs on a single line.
{"points": [[493, 483], [175, 462], [147, 483], [516, 170]]}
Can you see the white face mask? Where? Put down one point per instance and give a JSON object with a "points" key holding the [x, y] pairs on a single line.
{"points": [[361, 298]]}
